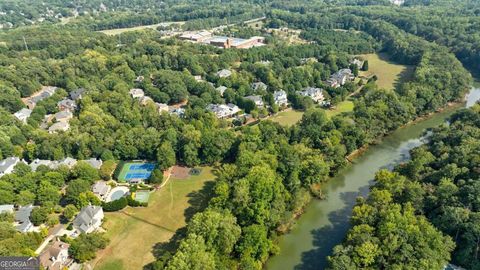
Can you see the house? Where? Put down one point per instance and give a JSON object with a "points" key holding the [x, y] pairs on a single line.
{"points": [[47, 119], [63, 116], [6, 208], [45, 92], [180, 112], [198, 78], [256, 86], [67, 105], [257, 100], [95, 163], [221, 90], [23, 114], [68, 161], [280, 98], [22, 219], [223, 111], [77, 94], [224, 73], [136, 93], [357, 62], [340, 77], [56, 256], [144, 100], [59, 126], [7, 165], [39, 162], [161, 107], [89, 219], [101, 189], [316, 94], [139, 79]]}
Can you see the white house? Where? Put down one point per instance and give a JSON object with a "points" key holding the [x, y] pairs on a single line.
{"points": [[280, 98], [95, 163], [136, 93], [222, 110], [340, 77], [256, 86], [224, 73], [23, 114], [221, 90], [7, 165], [89, 219], [67, 105], [257, 100], [316, 94], [7, 208], [38, 162]]}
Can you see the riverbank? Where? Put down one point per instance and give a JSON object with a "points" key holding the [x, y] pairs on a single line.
{"points": [[323, 223]]}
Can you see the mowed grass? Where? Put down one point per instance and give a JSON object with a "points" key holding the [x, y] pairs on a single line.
{"points": [[133, 232], [344, 106], [287, 118], [389, 73]]}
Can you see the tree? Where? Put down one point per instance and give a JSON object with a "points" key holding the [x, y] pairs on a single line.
{"points": [[25, 197], [365, 65], [219, 230], [39, 215], [165, 156], [156, 177], [70, 211], [85, 171], [47, 194], [84, 247], [107, 168], [192, 255], [75, 188]]}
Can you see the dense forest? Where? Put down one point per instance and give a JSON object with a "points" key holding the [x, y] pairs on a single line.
{"points": [[429, 205], [266, 173]]}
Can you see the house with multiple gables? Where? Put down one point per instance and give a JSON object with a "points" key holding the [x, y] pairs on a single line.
{"points": [[89, 219]]}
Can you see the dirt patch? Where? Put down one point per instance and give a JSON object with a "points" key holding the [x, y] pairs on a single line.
{"points": [[180, 172]]}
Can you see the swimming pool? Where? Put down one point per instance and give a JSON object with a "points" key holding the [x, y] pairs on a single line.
{"points": [[117, 193]]}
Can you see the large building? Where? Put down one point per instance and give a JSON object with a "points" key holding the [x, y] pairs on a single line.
{"points": [[224, 42]]}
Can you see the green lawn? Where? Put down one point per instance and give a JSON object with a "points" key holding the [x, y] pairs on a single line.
{"points": [[344, 106], [112, 32], [133, 232], [287, 118], [389, 73]]}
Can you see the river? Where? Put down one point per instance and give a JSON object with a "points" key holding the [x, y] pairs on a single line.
{"points": [[325, 222]]}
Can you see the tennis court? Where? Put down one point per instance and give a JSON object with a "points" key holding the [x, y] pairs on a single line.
{"points": [[142, 196], [135, 171]]}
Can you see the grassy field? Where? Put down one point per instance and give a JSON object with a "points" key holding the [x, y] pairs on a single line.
{"points": [[389, 74], [134, 232], [344, 106], [287, 118]]}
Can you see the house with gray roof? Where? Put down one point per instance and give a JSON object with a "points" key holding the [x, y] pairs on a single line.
{"points": [[77, 94], [224, 73], [258, 100], [67, 105], [95, 163], [6, 208], [39, 162], [223, 111], [258, 86], [340, 77], [23, 115], [63, 116], [68, 161], [316, 94], [136, 93], [221, 90], [59, 126], [101, 189], [280, 98], [7, 165], [22, 219], [89, 219]]}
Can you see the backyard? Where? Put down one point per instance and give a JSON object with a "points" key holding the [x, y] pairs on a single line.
{"points": [[287, 118], [133, 232], [389, 73]]}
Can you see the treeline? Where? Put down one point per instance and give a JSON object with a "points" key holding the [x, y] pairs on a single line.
{"points": [[436, 192]]}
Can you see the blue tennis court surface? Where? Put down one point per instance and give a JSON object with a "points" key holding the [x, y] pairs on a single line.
{"points": [[136, 171]]}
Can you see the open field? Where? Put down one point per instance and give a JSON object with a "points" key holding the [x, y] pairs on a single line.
{"points": [[389, 74], [344, 106], [112, 32], [287, 118], [134, 232]]}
